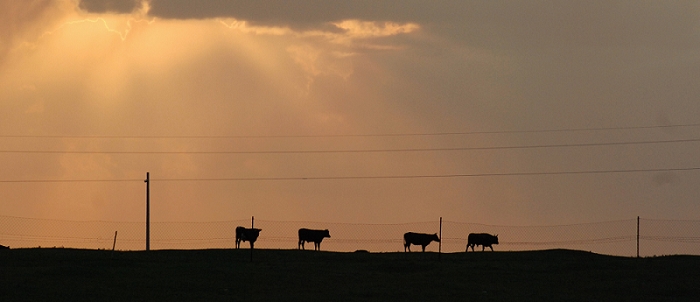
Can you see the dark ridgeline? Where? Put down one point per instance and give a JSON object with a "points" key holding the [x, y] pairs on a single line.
{"points": [[315, 236], [482, 239], [244, 234], [2, 247], [418, 239]]}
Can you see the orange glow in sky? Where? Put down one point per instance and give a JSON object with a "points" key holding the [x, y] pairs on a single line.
{"points": [[352, 114]]}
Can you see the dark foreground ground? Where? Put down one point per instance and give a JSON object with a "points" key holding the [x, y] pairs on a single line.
{"points": [[290, 275]]}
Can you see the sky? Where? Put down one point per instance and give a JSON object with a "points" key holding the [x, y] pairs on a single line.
{"points": [[316, 110]]}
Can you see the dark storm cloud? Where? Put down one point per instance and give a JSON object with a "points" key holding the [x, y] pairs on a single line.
{"points": [[294, 12], [482, 23], [275, 11], [109, 6]]}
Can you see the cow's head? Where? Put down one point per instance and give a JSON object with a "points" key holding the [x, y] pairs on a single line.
{"points": [[326, 234], [495, 239], [435, 238]]}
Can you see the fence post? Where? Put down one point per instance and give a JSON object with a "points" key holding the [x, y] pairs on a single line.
{"points": [[115, 241], [148, 211], [252, 225], [440, 242], [111, 255], [637, 236]]}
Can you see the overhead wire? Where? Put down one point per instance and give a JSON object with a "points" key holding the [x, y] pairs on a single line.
{"points": [[466, 175], [448, 133], [362, 150], [463, 175]]}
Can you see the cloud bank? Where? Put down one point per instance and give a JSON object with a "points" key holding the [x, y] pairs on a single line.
{"points": [[543, 23]]}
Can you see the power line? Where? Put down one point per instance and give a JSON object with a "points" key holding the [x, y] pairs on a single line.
{"points": [[68, 180], [435, 176], [350, 135], [364, 150]]}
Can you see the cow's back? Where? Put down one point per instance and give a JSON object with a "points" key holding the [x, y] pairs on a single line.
{"points": [[245, 234], [313, 235], [239, 232], [411, 237], [252, 234], [305, 233], [419, 238], [482, 239]]}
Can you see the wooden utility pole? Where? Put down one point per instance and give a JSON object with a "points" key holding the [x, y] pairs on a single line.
{"points": [[148, 212]]}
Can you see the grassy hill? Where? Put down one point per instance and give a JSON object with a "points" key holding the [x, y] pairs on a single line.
{"points": [[291, 275]]}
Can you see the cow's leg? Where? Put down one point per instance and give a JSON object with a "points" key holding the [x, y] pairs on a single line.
{"points": [[483, 247], [423, 246], [301, 244], [491, 246]]}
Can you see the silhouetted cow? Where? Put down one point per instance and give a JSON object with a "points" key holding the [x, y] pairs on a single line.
{"points": [[2, 247], [243, 234], [418, 239], [481, 239], [315, 236]]}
